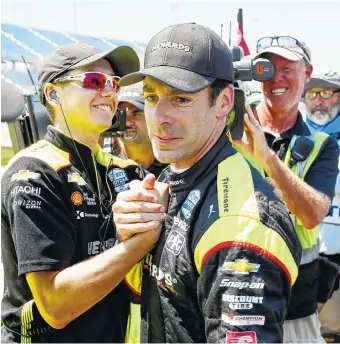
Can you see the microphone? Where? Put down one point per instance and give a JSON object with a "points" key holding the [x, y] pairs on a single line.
{"points": [[301, 150], [12, 102]]}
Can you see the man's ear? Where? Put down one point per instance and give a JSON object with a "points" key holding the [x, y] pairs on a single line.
{"points": [[225, 102], [309, 71], [51, 94]]}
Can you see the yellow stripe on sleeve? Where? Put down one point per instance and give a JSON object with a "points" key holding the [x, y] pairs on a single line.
{"points": [[246, 232]]}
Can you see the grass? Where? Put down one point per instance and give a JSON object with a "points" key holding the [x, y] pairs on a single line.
{"points": [[6, 154]]}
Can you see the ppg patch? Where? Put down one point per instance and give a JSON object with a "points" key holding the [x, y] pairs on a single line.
{"points": [[119, 179], [175, 242]]}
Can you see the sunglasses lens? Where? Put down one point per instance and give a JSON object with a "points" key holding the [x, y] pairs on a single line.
{"points": [[287, 42], [323, 94], [326, 94], [95, 81], [310, 95], [263, 43]]}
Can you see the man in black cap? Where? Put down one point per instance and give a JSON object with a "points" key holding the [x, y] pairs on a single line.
{"points": [[62, 266], [137, 144], [225, 262]]}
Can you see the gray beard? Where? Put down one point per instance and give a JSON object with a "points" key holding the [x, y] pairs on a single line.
{"points": [[322, 117]]}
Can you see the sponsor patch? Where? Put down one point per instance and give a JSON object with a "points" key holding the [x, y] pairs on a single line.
{"points": [[27, 204], [245, 320], [190, 202], [175, 242], [245, 337], [77, 198], [176, 182], [241, 301], [25, 189], [240, 266], [119, 179], [25, 175], [211, 210], [181, 224], [163, 278], [90, 200], [76, 178], [226, 282], [95, 247], [225, 194], [82, 214]]}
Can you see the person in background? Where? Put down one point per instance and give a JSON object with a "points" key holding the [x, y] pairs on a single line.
{"points": [[136, 141], [322, 99], [306, 178]]}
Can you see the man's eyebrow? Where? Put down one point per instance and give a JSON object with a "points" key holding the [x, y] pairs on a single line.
{"points": [[170, 92], [149, 89]]}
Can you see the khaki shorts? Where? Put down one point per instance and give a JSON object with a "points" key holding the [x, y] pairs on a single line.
{"points": [[329, 314], [303, 330]]}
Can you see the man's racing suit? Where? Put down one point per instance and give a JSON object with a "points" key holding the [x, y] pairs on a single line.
{"points": [[223, 268]]}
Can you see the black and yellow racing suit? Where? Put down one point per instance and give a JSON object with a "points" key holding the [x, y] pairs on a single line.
{"points": [[226, 260], [56, 212]]}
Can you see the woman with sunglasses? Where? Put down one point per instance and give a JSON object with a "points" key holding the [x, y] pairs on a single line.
{"points": [[63, 266]]}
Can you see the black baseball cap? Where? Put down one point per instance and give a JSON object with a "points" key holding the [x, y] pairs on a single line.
{"points": [[123, 60], [134, 97], [188, 57]]}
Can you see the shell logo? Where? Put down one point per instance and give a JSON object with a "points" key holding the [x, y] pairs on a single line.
{"points": [[77, 198]]}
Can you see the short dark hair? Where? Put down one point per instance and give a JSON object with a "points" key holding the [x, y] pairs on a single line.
{"points": [[216, 88]]}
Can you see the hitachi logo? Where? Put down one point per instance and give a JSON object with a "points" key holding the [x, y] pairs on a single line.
{"points": [[26, 189]]}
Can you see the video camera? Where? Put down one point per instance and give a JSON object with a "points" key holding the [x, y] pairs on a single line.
{"points": [[118, 124], [245, 69]]}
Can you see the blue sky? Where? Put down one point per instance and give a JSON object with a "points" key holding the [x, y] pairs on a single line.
{"points": [[316, 22]]}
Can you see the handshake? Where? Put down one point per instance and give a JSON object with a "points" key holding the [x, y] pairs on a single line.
{"points": [[141, 210]]}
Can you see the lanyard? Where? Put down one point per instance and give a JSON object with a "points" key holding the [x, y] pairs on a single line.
{"points": [[285, 154]]}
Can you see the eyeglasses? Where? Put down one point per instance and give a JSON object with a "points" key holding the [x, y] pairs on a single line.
{"points": [[281, 41], [94, 80], [310, 95]]}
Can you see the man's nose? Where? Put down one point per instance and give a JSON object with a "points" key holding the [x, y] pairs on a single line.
{"points": [[318, 100]]}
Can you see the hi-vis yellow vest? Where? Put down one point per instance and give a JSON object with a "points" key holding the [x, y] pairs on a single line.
{"points": [[309, 238]]}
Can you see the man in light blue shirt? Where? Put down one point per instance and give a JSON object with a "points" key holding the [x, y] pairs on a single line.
{"points": [[322, 97]]}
